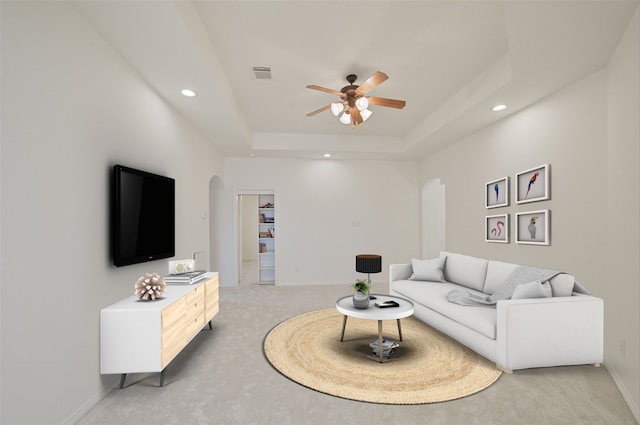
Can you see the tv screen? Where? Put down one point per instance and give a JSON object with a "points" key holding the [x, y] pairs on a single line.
{"points": [[143, 216]]}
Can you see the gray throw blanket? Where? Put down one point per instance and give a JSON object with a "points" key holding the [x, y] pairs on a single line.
{"points": [[522, 274]]}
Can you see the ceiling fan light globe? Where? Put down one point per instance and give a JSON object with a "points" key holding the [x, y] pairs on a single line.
{"points": [[336, 108], [362, 104], [366, 113], [345, 118]]}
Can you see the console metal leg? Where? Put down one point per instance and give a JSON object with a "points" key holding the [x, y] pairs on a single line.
{"points": [[122, 378], [162, 376], [210, 327]]}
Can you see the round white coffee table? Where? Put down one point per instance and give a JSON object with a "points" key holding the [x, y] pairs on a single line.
{"points": [[345, 306]]}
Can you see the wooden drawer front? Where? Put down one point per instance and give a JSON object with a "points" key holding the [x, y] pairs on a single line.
{"points": [[173, 330], [212, 299], [195, 296], [212, 305], [195, 314]]}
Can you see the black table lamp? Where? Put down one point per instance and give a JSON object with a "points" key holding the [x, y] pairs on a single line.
{"points": [[368, 263]]}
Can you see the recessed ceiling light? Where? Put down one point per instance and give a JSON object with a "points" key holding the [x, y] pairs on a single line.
{"points": [[188, 93], [499, 108], [327, 155]]}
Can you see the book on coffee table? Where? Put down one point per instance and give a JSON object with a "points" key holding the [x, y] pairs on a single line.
{"points": [[387, 304]]}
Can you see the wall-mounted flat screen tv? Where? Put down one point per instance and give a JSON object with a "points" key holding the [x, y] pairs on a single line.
{"points": [[143, 216]]}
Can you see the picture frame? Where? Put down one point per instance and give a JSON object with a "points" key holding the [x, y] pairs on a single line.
{"points": [[533, 227], [496, 193], [532, 185], [496, 228]]}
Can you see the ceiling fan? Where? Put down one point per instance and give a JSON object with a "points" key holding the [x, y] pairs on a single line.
{"points": [[353, 101]]}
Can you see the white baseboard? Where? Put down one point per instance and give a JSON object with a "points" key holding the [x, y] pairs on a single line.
{"points": [[75, 417], [635, 410]]}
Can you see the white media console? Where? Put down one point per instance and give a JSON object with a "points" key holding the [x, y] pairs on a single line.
{"points": [[145, 336]]}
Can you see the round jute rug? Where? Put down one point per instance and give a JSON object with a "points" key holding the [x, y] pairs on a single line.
{"points": [[428, 367]]}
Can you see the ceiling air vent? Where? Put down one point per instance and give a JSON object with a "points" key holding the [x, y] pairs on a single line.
{"points": [[262, 73]]}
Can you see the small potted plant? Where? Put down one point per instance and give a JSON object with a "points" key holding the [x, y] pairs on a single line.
{"points": [[361, 293]]}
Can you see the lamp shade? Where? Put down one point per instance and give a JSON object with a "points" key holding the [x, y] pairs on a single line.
{"points": [[336, 108], [362, 103], [368, 263], [345, 118]]}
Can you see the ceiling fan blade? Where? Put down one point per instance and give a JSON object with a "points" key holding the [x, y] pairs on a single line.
{"points": [[322, 89], [317, 111], [391, 103], [376, 79], [356, 116]]}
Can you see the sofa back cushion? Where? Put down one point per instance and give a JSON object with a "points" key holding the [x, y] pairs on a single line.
{"points": [[465, 270], [428, 270], [497, 273]]}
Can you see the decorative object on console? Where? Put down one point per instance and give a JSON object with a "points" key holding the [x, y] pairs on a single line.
{"points": [[361, 294], [532, 227], [533, 185], [182, 266], [150, 287], [368, 263], [496, 193], [496, 228], [185, 278]]}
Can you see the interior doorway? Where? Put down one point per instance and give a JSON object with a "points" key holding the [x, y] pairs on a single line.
{"points": [[256, 237]]}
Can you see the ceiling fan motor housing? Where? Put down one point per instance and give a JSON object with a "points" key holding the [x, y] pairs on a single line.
{"points": [[350, 91]]}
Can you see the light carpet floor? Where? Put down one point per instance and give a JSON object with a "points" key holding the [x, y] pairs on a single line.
{"points": [[223, 378]]}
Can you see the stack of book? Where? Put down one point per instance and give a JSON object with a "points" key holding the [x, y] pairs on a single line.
{"points": [[388, 348], [269, 233], [185, 278]]}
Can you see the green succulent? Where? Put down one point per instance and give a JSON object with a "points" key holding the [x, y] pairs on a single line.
{"points": [[362, 286]]}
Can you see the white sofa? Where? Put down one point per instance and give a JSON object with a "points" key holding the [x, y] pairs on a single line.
{"points": [[565, 328]]}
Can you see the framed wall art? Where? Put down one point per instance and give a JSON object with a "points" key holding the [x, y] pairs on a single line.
{"points": [[533, 227], [533, 185], [496, 193], [496, 228]]}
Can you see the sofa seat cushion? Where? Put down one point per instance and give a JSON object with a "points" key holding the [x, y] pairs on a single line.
{"points": [[433, 295], [465, 270]]}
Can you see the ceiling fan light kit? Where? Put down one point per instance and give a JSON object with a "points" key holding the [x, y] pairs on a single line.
{"points": [[362, 103], [354, 105]]}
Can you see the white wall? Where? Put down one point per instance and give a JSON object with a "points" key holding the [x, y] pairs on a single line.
{"points": [[622, 324], [567, 130], [589, 134], [71, 108], [328, 211]]}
